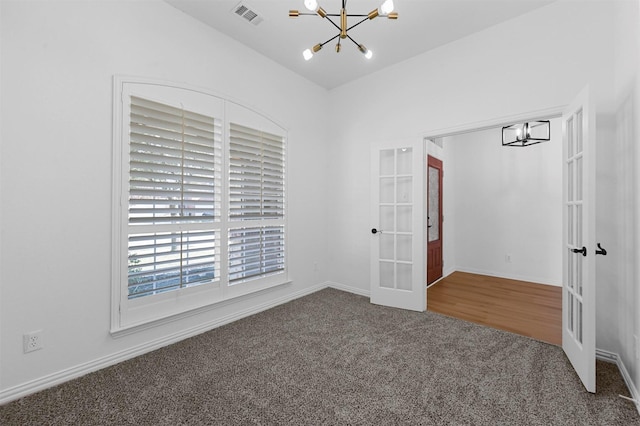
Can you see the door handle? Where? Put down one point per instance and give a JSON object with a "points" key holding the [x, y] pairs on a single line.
{"points": [[375, 231], [601, 250], [583, 250], [429, 225]]}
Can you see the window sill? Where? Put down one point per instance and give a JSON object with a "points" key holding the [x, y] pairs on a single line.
{"points": [[152, 323]]}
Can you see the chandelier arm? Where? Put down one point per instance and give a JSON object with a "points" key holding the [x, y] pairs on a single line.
{"points": [[330, 40], [334, 24], [355, 25], [354, 42]]}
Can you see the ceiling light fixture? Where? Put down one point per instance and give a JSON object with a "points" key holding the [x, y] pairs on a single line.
{"points": [[386, 9], [526, 134]]}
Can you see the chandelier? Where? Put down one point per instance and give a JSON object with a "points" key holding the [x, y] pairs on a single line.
{"points": [[386, 9], [526, 134]]}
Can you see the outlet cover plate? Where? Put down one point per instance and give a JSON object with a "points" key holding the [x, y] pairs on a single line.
{"points": [[32, 341]]}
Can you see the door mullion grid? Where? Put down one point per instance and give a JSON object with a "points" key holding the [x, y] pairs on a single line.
{"points": [[395, 219], [574, 205]]}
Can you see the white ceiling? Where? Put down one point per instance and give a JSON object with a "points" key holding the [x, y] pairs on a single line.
{"points": [[422, 25]]}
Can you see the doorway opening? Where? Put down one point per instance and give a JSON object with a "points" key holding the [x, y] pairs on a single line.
{"points": [[503, 208]]}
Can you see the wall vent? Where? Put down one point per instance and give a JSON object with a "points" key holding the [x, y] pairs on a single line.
{"points": [[248, 13]]}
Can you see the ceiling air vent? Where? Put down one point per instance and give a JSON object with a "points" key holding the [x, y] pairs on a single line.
{"points": [[246, 12]]}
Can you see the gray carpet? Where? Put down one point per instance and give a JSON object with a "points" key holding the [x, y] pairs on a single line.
{"points": [[333, 358]]}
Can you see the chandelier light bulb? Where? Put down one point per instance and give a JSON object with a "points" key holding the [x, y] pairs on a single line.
{"points": [[312, 5], [366, 52], [386, 7], [307, 54]]}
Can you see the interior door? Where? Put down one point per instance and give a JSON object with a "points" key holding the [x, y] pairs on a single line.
{"points": [[578, 296], [397, 225], [434, 219]]}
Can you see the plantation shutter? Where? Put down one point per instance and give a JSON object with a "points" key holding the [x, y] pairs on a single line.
{"points": [[174, 198], [256, 236]]}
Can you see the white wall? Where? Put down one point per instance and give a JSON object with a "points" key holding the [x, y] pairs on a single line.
{"points": [[621, 287], [472, 80], [58, 60], [506, 202]]}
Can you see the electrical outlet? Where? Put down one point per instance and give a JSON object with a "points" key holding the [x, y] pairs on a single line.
{"points": [[32, 341], [507, 258]]}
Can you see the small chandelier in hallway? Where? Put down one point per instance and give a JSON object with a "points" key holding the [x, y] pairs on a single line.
{"points": [[526, 134]]}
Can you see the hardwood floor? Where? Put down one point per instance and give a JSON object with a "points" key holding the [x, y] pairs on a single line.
{"points": [[525, 308]]}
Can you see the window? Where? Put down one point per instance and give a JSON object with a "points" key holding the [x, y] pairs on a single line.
{"points": [[199, 202], [256, 203], [174, 198]]}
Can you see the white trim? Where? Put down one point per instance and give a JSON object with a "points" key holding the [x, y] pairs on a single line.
{"points": [[436, 281], [552, 112], [509, 276], [135, 328], [348, 288], [614, 358], [67, 374]]}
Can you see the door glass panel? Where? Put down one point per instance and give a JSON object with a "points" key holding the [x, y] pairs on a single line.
{"points": [[579, 226], [570, 139], [386, 190], [579, 321], [571, 178], [578, 188], [434, 204], [387, 218], [386, 247], [570, 269], [405, 189], [403, 247], [579, 132], [404, 161], [570, 225], [386, 274], [404, 276], [570, 311], [404, 218], [386, 162], [579, 265]]}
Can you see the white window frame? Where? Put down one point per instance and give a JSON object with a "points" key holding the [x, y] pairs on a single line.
{"points": [[129, 315]]}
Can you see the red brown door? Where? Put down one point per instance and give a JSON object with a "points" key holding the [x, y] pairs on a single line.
{"points": [[434, 219]]}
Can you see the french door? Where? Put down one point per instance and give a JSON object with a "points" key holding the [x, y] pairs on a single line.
{"points": [[578, 295], [397, 226]]}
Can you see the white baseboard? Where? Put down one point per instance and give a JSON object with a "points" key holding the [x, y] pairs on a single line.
{"points": [[349, 289], [614, 358], [508, 276], [74, 372]]}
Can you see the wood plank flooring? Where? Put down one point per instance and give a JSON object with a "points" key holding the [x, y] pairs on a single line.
{"points": [[528, 309]]}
